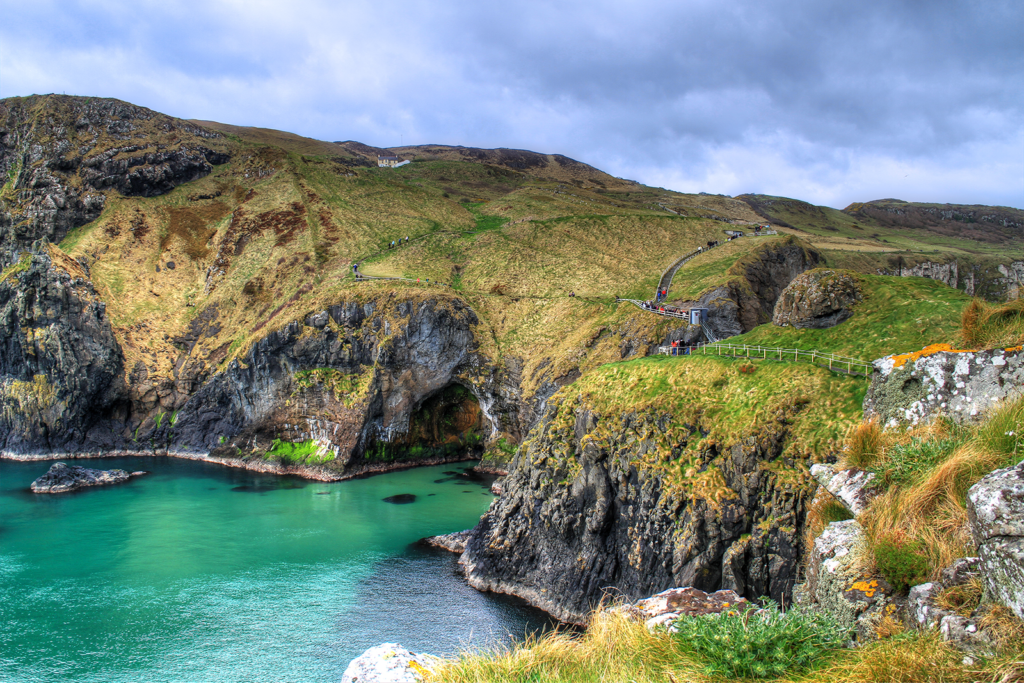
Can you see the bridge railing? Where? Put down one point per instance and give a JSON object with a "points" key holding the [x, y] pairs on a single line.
{"points": [[832, 361]]}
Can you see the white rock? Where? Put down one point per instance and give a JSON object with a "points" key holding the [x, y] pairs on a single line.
{"points": [[388, 663]]}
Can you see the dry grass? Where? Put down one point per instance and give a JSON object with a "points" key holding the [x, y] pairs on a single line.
{"points": [[615, 649], [990, 326], [864, 444], [928, 506]]}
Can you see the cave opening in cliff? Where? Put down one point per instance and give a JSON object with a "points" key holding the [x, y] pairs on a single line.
{"points": [[449, 424]]}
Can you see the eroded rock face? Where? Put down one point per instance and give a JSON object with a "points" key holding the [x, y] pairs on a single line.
{"points": [[64, 154], [817, 299], [579, 521], [62, 478], [963, 385], [359, 383], [61, 368], [995, 508]]}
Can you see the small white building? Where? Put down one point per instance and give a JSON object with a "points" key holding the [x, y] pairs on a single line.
{"points": [[389, 162]]}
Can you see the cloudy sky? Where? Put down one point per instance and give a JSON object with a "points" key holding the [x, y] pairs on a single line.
{"points": [[830, 101]]}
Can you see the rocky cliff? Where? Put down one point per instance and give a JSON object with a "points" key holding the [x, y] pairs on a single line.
{"points": [[61, 369], [583, 519], [748, 299], [61, 156]]}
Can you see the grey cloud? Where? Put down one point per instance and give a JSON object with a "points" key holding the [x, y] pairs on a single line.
{"points": [[671, 89]]}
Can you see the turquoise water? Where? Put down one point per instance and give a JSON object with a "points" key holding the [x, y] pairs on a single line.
{"points": [[202, 573]]}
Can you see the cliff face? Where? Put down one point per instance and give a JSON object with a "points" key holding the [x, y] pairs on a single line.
{"points": [[991, 281], [581, 519], [356, 380], [749, 299], [60, 156], [61, 369]]}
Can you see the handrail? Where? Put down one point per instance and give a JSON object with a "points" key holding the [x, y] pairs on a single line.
{"points": [[836, 363]]}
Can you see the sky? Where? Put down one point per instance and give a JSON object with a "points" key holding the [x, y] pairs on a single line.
{"points": [[829, 101]]}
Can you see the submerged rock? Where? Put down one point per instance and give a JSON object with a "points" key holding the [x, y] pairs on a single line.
{"points": [[401, 499], [63, 478]]}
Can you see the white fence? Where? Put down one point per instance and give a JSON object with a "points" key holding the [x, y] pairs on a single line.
{"points": [[852, 366]]}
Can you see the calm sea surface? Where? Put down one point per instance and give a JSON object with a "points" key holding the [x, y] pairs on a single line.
{"points": [[201, 573]]}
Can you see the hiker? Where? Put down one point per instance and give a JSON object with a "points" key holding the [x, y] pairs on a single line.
{"points": [[572, 293]]}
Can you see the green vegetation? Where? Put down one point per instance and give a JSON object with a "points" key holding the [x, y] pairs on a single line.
{"points": [[617, 648], [346, 387], [298, 453], [901, 564], [896, 315], [834, 511], [768, 643], [18, 267], [819, 409]]}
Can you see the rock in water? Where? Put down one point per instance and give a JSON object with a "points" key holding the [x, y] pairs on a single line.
{"points": [[401, 499], [455, 543], [388, 663], [63, 478]]}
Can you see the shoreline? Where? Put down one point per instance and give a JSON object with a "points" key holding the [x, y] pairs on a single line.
{"points": [[262, 466]]}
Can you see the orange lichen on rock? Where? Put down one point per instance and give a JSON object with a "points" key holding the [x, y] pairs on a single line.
{"points": [[868, 588], [900, 359]]}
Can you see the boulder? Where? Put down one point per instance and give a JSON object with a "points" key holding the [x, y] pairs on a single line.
{"points": [[836, 582], [938, 380], [62, 478], [817, 299], [995, 508], [854, 488], [663, 609], [388, 663]]}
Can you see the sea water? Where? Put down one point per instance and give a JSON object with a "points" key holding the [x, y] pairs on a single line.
{"points": [[202, 573]]}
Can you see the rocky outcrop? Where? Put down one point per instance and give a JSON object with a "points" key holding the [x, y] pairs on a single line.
{"points": [[995, 508], [837, 583], [62, 478], [665, 608], [59, 156], [581, 519], [61, 368], [853, 487], [817, 299], [963, 385], [388, 663], [759, 279], [454, 543]]}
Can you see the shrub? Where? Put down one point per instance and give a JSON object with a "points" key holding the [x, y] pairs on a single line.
{"points": [[766, 643], [901, 563], [834, 511]]}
